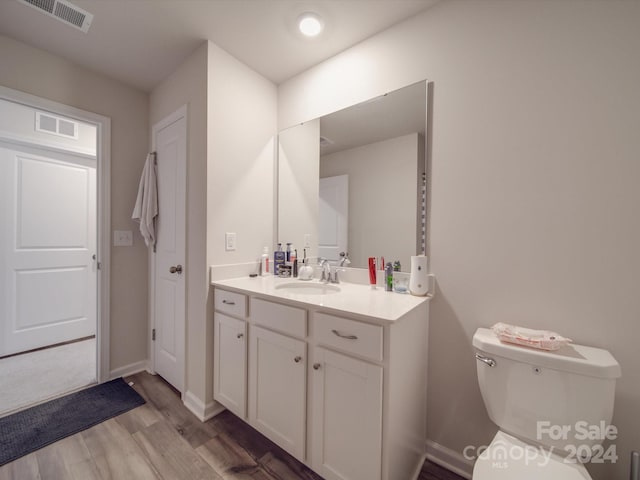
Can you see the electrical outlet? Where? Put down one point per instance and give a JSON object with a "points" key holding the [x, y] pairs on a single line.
{"points": [[229, 241], [122, 238], [307, 240]]}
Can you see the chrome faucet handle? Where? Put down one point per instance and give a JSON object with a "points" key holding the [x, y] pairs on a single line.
{"points": [[335, 278]]}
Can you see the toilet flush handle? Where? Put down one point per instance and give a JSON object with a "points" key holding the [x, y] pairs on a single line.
{"points": [[489, 361]]}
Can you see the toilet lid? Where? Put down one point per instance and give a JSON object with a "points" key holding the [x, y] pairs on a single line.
{"points": [[510, 458]]}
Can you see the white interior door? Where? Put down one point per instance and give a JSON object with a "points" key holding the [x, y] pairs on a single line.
{"points": [[334, 217], [48, 277], [169, 277]]}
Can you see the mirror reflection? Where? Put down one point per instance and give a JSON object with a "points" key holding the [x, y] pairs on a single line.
{"points": [[352, 181]]}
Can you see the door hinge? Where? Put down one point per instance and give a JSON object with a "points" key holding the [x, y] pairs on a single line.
{"points": [[153, 334]]}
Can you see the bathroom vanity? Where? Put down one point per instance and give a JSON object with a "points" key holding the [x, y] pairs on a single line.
{"points": [[334, 374]]}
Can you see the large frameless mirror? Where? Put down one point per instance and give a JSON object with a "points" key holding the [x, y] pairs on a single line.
{"points": [[353, 182]]}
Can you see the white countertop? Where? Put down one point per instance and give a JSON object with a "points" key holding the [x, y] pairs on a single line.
{"points": [[353, 298]]}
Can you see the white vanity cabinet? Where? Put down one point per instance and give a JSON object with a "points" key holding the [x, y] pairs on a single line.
{"points": [[346, 417], [277, 389], [230, 352], [278, 374], [343, 392]]}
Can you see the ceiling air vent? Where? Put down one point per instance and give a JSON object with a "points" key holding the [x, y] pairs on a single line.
{"points": [[325, 142], [64, 11]]}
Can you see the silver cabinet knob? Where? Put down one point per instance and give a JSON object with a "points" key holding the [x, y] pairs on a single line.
{"points": [[316, 366], [297, 359], [177, 269]]}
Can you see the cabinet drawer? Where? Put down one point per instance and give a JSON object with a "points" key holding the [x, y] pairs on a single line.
{"points": [[348, 335], [230, 302], [284, 318]]}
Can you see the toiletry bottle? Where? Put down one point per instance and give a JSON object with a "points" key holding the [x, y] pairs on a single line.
{"points": [[294, 263], [288, 252], [388, 277], [396, 266], [278, 259], [264, 262], [372, 272], [306, 271]]}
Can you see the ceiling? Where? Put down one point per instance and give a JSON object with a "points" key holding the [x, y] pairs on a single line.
{"points": [[140, 42], [397, 113]]}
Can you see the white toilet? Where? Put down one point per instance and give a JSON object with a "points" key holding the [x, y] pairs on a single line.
{"points": [[551, 408]]}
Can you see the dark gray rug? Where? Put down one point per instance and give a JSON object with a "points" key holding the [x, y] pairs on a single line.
{"points": [[36, 427]]}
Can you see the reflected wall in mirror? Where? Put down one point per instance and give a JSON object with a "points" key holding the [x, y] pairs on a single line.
{"points": [[354, 181]]}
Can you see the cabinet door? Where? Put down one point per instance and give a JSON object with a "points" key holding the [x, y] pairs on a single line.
{"points": [[277, 386], [230, 367], [346, 417]]}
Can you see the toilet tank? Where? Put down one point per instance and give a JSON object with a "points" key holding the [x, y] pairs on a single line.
{"points": [[561, 399]]}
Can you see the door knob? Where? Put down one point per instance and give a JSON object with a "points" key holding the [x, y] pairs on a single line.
{"points": [[176, 269]]}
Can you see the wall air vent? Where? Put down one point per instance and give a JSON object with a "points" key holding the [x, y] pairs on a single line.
{"points": [[64, 11], [45, 122]]}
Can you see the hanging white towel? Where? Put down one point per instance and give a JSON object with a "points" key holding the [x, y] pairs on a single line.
{"points": [[146, 209]]}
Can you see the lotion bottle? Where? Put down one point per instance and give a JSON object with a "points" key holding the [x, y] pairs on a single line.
{"points": [[264, 262]]}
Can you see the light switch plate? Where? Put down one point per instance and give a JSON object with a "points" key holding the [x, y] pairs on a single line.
{"points": [[122, 238], [307, 240], [229, 241]]}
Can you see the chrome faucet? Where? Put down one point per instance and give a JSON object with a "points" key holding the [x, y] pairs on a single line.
{"points": [[329, 272]]}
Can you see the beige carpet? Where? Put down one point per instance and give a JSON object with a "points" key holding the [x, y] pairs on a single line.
{"points": [[31, 378]]}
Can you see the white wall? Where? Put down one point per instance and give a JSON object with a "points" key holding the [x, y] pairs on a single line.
{"points": [[230, 151], [241, 124], [383, 198], [40, 73], [298, 187], [534, 201], [231, 123]]}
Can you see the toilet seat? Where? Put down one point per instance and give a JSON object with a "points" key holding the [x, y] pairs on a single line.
{"points": [[509, 458]]}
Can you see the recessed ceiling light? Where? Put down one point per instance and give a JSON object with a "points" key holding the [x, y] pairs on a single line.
{"points": [[310, 24]]}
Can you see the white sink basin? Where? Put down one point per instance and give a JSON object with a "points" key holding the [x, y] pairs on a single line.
{"points": [[301, 288]]}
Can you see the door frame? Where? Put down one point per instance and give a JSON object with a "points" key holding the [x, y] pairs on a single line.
{"points": [[165, 122], [103, 234]]}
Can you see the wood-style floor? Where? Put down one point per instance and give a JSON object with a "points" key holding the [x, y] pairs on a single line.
{"points": [[163, 440]]}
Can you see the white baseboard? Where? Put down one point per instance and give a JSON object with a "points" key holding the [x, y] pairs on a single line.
{"points": [[130, 369], [418, 470], [199, 409], [449, 459]]}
